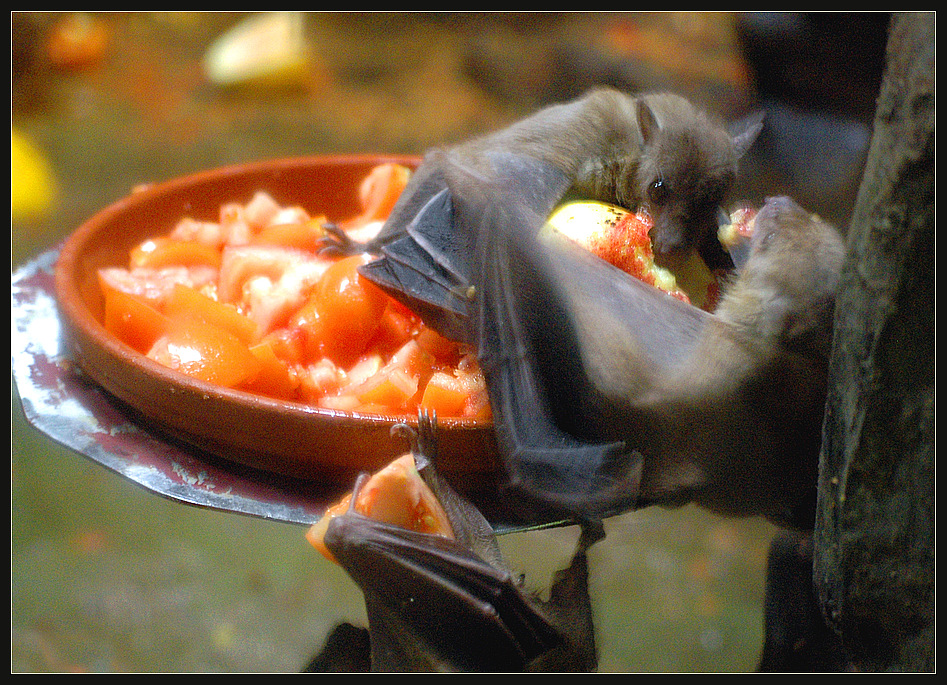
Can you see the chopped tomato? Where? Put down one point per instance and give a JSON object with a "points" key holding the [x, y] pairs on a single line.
{"points": [[444, 350], [287, 344], [186, 302], [155, 285], [397, 495], [320, 380], [460, 393], [269, 283], [343, 313], [445, 394], [275, 377], [206, 352], [303, 235], [392, 389], [248, 302], [164, 251], [396, 325], [379, 191], [396, 384], [133, 320]]}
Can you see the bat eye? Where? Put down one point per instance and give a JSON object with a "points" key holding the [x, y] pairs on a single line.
{"points": [[658, 192]]}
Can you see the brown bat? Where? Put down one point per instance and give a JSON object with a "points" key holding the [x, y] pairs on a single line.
{"points": [[451, 604], [653, 150], [607, 394]]}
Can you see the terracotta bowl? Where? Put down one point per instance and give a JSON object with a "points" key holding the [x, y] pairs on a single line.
{"points": [[276, 436]]}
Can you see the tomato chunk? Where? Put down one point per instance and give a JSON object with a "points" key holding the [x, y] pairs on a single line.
{"points": [[397, 495], [133, 320], [186, 302], [379, 191], [248, 301], [304, 235], [164, 251], [206, 352], [275, 378], [460, 393], [342, 314]]}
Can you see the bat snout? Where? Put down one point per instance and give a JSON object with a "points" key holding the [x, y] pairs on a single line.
{"points": [[674, 233]]}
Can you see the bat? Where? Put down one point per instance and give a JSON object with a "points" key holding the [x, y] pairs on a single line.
{"points": [[607, 394], [441, 604], [654, 150]]}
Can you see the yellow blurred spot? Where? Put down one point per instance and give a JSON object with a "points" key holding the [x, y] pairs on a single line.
{"points": [[224, 635], [33, 187], [268, 49]]}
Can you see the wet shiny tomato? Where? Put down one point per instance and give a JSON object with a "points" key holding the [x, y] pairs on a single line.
{"points": [[342, 315], [396, 495], [206, 352]]}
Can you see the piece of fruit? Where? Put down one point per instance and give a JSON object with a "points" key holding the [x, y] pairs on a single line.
{"points": [[264, 50], [618, 236], [162, 251], [343, 313], [34, 190], [379, 191], [206, 352], [397, 495], [134, 321]]}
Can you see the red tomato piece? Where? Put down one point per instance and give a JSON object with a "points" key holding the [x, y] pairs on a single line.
{"points": [[446, 394], [133, 320], [164, 251], [207, 353], [275, 377], [186, 302], [342, 314], [299, 236], [459, 394], [379, 191], [397, 495]]}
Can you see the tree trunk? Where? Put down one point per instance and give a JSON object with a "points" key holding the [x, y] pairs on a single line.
{"points": [[874, 536]]}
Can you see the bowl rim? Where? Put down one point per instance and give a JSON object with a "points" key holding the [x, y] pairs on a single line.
{"points": [[76, 312]]}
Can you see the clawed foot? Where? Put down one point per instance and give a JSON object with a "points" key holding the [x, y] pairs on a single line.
{"points": [[337, 243]]}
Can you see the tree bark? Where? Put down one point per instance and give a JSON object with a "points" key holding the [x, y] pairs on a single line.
{"points": [[874, 536]]}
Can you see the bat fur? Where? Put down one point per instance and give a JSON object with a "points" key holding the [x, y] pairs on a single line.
{"points": [[656, 151], [609, 395]]}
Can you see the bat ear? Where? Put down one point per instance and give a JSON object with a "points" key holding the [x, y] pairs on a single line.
{"points": [[751, 127], [647, 123]]}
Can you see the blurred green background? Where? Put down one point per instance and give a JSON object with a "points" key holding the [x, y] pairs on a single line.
{"points": [[106, 577]]}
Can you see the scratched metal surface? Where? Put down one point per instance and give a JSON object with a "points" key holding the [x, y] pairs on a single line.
{"points": [[59, 400]]}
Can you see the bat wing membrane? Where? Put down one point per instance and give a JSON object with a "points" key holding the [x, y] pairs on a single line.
{"points": [[434, 592], [553, 326]]}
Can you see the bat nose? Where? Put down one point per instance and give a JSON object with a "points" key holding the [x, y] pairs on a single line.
{"points": [[667, 236]]}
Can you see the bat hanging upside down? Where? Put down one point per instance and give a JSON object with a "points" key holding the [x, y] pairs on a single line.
{"points": [[444, 600], [607, 394]]}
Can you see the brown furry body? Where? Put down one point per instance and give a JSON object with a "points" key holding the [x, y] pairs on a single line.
{"points": [[656, 151], [739, 428]]}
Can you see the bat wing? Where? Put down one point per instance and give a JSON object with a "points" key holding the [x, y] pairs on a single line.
{"points": [[434, 604], [558, 331], [416, 270]]}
